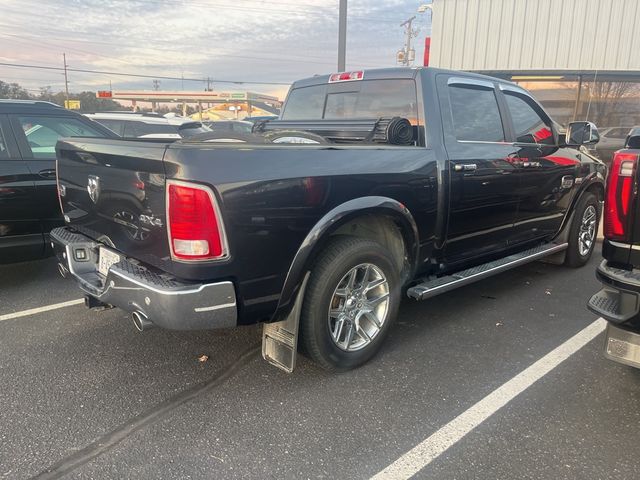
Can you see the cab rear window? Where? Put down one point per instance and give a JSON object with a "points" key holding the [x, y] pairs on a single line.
{"points": [[361, 99]]}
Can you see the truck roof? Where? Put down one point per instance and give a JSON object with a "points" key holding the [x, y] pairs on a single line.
{"points": [[394, 73]]}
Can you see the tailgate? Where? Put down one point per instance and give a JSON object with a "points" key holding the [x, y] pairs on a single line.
{"points": [[114, 192]]}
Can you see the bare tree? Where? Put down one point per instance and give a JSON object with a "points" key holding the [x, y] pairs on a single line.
{"points": [[607, 99]]}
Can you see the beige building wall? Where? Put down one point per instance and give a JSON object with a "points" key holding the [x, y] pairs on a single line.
{"points": [[566, 35]]}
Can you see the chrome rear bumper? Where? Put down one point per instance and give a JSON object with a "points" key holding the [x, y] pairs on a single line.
{"points": [[129, 285]]}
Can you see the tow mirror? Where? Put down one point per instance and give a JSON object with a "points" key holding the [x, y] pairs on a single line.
{"points": [[582, 133]]}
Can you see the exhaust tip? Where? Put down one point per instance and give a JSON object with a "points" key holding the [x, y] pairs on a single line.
{"points": [[62, 270], [140, 321]]}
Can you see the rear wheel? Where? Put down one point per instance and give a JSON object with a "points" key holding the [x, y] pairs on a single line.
{"points": [[351, 299], [583, 231]]}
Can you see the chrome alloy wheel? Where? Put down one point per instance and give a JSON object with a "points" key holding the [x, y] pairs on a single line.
{"points": [[587, 232], [359, 307]]}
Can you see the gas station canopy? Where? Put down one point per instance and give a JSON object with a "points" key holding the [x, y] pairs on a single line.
{"points": [[189, 97]]}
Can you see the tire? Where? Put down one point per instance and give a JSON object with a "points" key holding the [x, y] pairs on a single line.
{"points": [[340, 257], [294, 136], [577, 252]]}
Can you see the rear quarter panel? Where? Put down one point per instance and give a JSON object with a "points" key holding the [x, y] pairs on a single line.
{"points": [[271, 198]]}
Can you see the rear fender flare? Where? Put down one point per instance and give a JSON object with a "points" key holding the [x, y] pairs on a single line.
{"points": [[329, 223]]}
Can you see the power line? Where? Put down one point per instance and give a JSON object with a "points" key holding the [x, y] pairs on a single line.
{"points": [[279, 57], [123, 74], [291, 59]]}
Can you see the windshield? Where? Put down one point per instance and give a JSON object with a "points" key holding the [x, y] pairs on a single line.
{"points": [[362, 99]]}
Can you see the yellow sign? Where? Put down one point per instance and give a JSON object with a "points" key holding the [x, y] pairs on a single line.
{"points": [[72, 104]]}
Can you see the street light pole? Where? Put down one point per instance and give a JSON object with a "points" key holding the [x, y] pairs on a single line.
{"points": [[342, 36]]}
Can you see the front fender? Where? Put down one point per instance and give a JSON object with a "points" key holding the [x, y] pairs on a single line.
{"points": [[330, 222]]}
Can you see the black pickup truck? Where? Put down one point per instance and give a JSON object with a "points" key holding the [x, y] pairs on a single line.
{"points": [[422, 180], [618, 301]]}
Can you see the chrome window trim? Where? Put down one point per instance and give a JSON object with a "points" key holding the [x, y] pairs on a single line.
{"points": [[472, 82]]}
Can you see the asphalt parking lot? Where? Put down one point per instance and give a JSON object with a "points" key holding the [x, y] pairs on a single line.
{"points": [[86, 396]]}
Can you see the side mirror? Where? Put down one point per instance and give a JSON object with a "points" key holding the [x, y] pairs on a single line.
{"points": [[582, 133], [633, 139]]}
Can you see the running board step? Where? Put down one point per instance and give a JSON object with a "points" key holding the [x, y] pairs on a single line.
{"points": [[432, 287]]}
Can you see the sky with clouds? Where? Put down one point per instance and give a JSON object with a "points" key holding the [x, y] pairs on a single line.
{"points": [[240, 40]]}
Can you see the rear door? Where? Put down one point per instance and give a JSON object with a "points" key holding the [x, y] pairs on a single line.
{"points": [[20, 232], [546, 173], [37, 135], [483, 193]]}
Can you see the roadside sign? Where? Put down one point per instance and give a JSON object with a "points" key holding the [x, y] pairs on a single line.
{"points": [[104, 94], [72, 104]]}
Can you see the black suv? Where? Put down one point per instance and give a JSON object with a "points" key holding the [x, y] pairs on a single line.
{"points": [[29, 207]]}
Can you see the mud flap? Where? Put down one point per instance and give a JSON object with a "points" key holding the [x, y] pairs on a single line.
{"points": [[280, 339]]}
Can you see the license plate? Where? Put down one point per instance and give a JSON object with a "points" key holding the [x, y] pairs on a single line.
{"points": [[106, 259]]}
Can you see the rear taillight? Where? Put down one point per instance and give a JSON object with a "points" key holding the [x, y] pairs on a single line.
{"points": [[620, 197], [196, 231]]}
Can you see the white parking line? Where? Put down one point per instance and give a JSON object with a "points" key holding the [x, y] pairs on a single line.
{"points": [[33, 311], [435, 445]]}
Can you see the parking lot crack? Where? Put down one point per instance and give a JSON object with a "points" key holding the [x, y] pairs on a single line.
{"points": [[145, 419]]}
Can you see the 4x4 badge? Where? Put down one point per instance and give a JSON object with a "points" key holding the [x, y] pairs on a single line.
{"points": [[93, 187]]}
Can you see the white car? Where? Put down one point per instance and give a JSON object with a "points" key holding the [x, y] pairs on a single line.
{"points": [[148, 125]]}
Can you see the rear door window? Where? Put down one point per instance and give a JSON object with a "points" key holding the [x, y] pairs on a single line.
{"points": [[475, 112], [42, 133]]}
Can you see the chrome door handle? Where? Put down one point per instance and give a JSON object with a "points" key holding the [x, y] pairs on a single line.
{"points": [[48, 173], [465, 167]]}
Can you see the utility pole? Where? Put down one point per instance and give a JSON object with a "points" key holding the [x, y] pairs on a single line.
{"points": [[156, 87], [342, 36], [66, 80], [407, 55]]}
